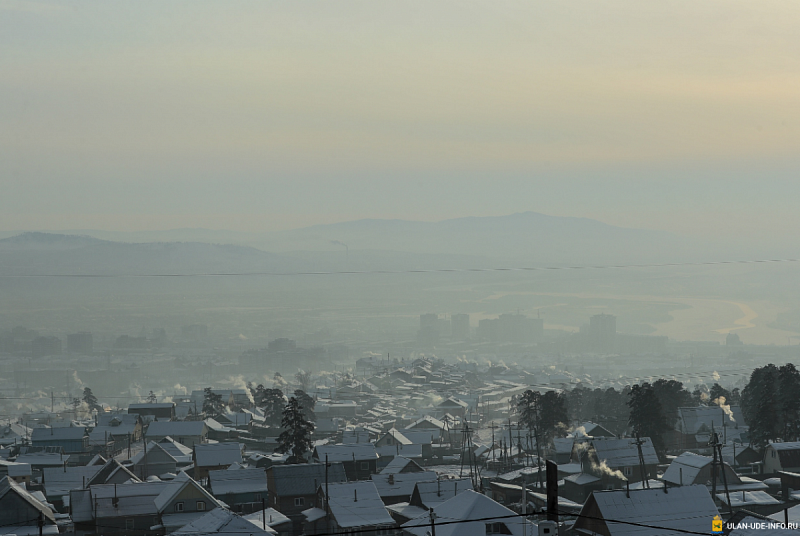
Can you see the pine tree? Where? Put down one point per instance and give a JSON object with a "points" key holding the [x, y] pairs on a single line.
{"points": [[273, 402], [212, 402], [760, 405], [671, 395], [718, 391], [91, 400], [308, 403], [151, 398], [303, 378], [647, 416], [296, 436], [554, 414], [788, 401]]}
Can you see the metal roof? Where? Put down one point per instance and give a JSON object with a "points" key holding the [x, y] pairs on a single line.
{"points": [[239, 481], [686, 508], [303, 479], [357, 504], [213, 455]]}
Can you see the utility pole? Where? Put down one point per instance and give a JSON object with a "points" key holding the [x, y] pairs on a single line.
{"points": [[639, 442], [327, 514], [714, 467], [433, 524], [718, 446]]}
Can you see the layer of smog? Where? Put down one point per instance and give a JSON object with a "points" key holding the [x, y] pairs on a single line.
{"points": [[318, 269]]}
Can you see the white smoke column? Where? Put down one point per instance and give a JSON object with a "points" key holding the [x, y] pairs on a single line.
{"points": [[239, 383], [715, 375], [180, 390], [581, 448], [725, 407], [75, 378], [580, 431], [605, 469]]}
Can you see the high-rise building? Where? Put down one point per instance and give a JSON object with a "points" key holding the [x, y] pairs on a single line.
{"points": [[43, 346], [80, 343], [459, 327], [429, 329], [602, 332]]}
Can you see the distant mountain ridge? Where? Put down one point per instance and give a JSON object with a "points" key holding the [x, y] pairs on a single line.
{"points": [[37, 253], [521, 239]]}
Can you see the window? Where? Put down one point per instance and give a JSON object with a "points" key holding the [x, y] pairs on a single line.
{"points": [[201, 506], [494, 528], [384, 531], [298, 501], [773, 453], [627, 471], [275, 500], [179, 507], [258, 496], [364, 466], [129, 524]]}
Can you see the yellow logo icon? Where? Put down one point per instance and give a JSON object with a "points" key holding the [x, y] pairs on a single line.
{"points": [[716, 525]]}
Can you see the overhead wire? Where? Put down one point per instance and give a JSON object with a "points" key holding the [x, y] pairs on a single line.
{"points": [[397, 272]]}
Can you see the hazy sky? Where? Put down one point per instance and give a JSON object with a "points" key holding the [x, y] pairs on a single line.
{"points": [[679, 115]]}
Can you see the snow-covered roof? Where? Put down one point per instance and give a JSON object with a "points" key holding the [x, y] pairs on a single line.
{"points": [[408, 451], [213, 455], [152, 447], [216, 426], [529, 472], [747, 498], [58, 481], [422, 437], [240, 481], [400, 463], [355, 436], [42, 459], [624, 452], [394, 485], [180, 452], [582, 479], [8, 486], [788, 445], [453, 402], [304, 478], [685, 469], [432, 493], [694, 420], [173, 488], [357, 504], [135, 499], [686, 508], [406, 510], [273, 518], [313, 514], [431, 422], [223, 523], [64, 433], [563, 445], [176, 429], [346, 453], [470, 506], [397, 436]]}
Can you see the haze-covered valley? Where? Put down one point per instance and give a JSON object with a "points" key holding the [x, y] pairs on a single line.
{"points": [[350, 278]]}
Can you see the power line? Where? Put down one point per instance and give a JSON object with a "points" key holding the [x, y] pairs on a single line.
{"points": [[397, 272], [477, 520]]}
